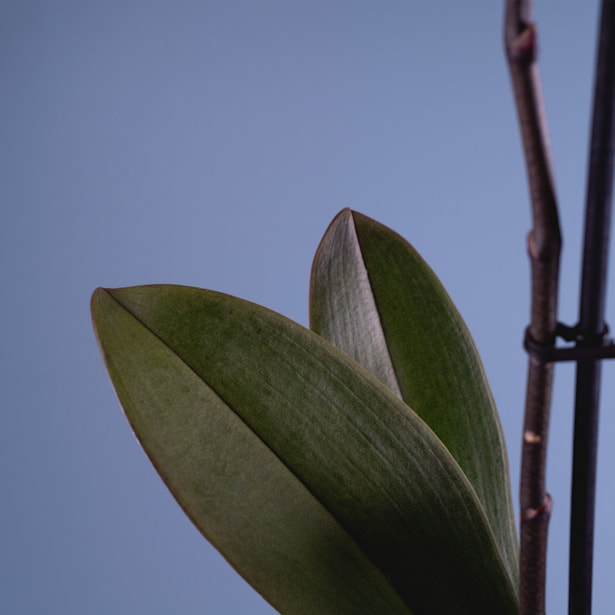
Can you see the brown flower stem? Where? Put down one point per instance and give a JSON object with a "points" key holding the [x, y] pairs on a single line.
{"points": [[544, 245]]}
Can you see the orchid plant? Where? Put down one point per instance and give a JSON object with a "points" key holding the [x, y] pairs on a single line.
{"points": [[358, 466]]}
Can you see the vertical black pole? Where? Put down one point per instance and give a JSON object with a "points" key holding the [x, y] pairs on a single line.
{"points": [[591, 319]]}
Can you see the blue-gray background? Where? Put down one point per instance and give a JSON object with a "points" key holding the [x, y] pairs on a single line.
{"points": [[210, 144]]}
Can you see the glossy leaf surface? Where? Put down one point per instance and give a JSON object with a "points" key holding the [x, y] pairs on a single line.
{"points": [[374, 297], [317, 484]]}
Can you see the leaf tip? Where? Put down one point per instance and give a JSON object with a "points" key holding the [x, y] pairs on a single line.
{"points": [[98, 297]]}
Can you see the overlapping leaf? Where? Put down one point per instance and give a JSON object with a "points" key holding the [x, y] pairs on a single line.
{"points": [[311, 477], [375, 298]]}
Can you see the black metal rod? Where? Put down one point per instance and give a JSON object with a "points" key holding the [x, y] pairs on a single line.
{"points": [[591, 325]]}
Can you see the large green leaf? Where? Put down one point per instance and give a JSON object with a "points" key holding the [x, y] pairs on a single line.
{"points": [[317, 484], [374, 297]]}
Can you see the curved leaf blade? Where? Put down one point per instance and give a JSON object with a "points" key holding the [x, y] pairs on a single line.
{"points": [[377, 469], [237, 492], [373, 296]]}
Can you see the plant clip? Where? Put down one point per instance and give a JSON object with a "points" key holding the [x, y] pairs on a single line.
{"points": [[597, 347]]}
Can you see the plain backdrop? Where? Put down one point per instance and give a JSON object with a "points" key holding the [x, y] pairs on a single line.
{"points": [[210, 144]]}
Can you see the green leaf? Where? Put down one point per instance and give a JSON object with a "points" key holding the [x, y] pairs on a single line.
{"points": [[314, 481], [375, 298]]}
